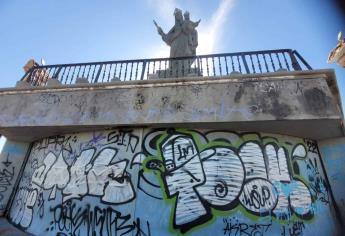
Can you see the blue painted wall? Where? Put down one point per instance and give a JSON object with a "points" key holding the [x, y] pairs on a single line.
{"points": [[333, 156], [173, 182]]}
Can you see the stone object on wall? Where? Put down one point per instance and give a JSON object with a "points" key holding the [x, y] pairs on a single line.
{"points": [[82, 81], [338, 53], [23, 84], [53, 82], [137, 181]]}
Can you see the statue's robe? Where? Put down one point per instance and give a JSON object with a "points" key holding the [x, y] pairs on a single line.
{"points": [[178, 40]]}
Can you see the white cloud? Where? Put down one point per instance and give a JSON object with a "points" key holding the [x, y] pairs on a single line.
{"points": [[210, 32]]}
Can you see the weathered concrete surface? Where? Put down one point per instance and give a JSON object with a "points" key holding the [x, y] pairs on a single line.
{"points": [[299, 104], [333, 156]]}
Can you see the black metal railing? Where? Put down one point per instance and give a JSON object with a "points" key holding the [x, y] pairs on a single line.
{"points": [[143, 69]]}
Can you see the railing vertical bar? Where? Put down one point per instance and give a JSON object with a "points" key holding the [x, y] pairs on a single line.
{"points": [[69, 69], [200, 69], [93, 72], [239, 64], [279, 63], [148, 70], [78, 72], [207, 67], [34, 76], [154, 67], [104, 71], [220, 67], [130, 74], [226, 66], [274, 68], [98, 73], [294, 61], [214, 69], [251, 60], [53, 72], [125, 76], [143, 70], [232, 64], [259, 63], [165, 69], [266, 65], [183, 67], [121, 72], [111, 66], [189, 65], [286, 62], [82, 75], [114, 76], [63, 74], [88, 71], [245, 63], [159, 69], [136, 70]]}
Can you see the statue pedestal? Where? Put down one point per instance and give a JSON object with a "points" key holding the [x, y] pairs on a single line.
{"points": [[171, 73]]}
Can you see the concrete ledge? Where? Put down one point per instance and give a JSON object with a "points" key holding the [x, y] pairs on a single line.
{"points": [[277, 104], [312, 129]]}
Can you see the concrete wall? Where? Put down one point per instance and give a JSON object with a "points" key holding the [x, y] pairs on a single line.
{"points": [[173, 182], [333, 156], [11, 161]]}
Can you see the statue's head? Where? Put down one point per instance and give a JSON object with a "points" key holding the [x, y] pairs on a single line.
{"points": [[186, 15], [178, 15]]}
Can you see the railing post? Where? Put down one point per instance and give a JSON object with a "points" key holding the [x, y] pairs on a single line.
{"points": [[199, 69], [143, 71], [294, 52], [98, 73], [245, 63], [56, 74], [294, 61]]}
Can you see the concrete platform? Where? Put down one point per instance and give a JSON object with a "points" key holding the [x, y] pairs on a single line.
{"points": [[304, 104]]}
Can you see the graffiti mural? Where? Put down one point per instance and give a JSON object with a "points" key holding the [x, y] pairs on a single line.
{"points": [[11, 157], [254, 174], [170, 182]]}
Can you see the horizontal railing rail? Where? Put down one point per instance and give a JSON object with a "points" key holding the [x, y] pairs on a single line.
{"points": [[144, 69]]}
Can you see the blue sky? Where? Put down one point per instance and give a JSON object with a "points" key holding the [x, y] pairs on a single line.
{"points": [[65, 31]]}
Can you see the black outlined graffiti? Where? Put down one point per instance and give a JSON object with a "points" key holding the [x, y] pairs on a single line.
{"points": [[124, 138], [293, 229], [232, 227], [6, 177], [89, 174], [256, 176], [68, 219]]}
